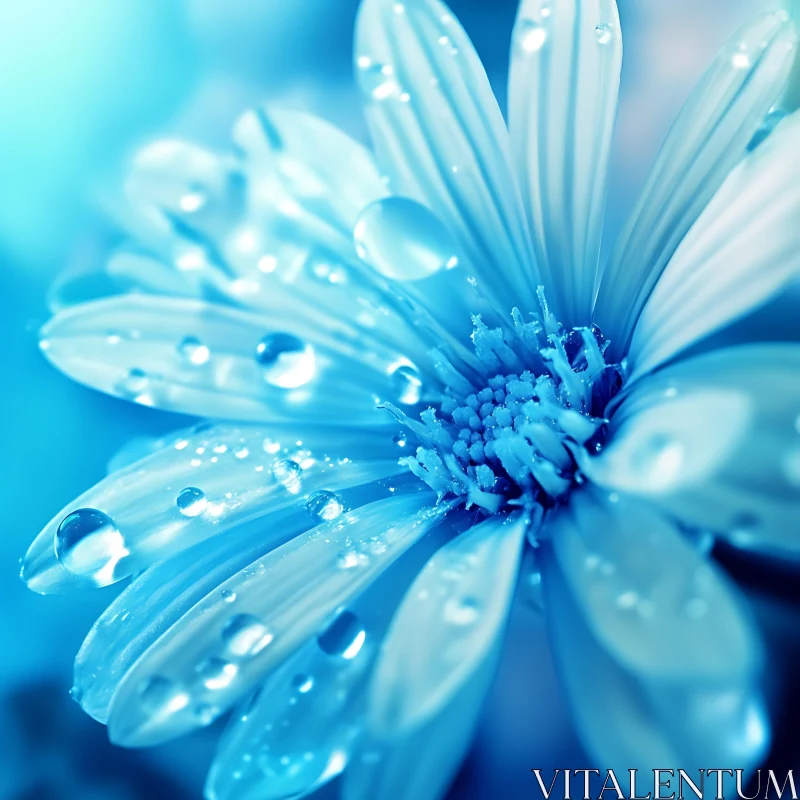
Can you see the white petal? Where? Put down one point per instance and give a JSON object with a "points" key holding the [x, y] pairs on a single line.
{"points": [[451, 618], [637, 720], [215, 654], [440, 137], [200, 486], [709, 137], [715, 441], [215, 361], [565, 67], [647, 594]]}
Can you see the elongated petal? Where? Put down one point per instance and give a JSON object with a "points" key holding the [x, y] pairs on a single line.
{"points": [[451, 619], [648, 595], [215, 361], [707, 140], [715, 441], [301, 729], [421, 764], [440, 137], [165, 592], [197, 488], [214, 655], [564, 81], [635, 720], [741, 252]]}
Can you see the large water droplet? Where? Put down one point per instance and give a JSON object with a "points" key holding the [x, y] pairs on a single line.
{"points": [[245, 635], [461, 611], [216, 673], [344, 637], [530, 36], [192, 502], [160, 696], [193, 350], [288, 474], [403, 240], [377, 81], [325, 505], [88, 543], [406, 384], [288, 362]]}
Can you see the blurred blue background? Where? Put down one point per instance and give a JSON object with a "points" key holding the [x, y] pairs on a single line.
{"points": [[82, 84]]}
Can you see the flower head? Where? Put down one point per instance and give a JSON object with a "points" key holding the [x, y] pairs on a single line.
{"points": [[414, 373]]}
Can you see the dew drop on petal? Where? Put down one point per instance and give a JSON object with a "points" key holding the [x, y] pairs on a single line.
{"points": [[135, 383], [191, 502], [194, 351], [377, 81], [406, 384], [245, 635], [89, 543], [205, 714], [162, 696], [325, 505], [530, 36], [461, 611], [288, 362], [303, 683], [604, 33], [344, 637], [288, 474], [228, 596], [216, 673], [400, 439]]}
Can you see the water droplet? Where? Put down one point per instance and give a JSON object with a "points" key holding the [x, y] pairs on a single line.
{"points": [[228, 596], [461, 611], [740, 59], [349, 559], [288, 362], [135, 383], [604, 33], [303, 683], [288, 474], [325, 505], [205, 714], [377, 81], [406, 384], [530, 36], [160, 696], [344, 637], [403, 240], [245, 635], [76, 694], [89, 543], [191, 502], [193, 350], [400, 439], [216, 673]]}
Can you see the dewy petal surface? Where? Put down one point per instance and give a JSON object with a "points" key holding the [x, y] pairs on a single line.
{"points": [[216, 361], [564, 81], [450, 620], [441, 139], [637, 720], [648, 595], [707, 140], [715, 441], [214, 655], [202, 485], [743, 250]]}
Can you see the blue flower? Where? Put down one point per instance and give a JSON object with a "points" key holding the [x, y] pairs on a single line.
{"points": [[402, 413]]}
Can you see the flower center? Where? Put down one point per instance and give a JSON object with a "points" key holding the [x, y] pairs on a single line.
{"points": [[513, 440]]}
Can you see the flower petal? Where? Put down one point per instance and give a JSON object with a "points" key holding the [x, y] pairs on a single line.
{"points": [[215, 361], [715, 441], [163, 594], [741, 252], [637, 720], [450, 620], [214, 655], [708, 138], [648, 595], [564, 81], [441, 139], [202, 485]]}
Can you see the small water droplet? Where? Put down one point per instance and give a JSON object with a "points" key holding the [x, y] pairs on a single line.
{"points": [[530, 36], [76, 694], [377, 81], [303, 683], [740, 59], [135, 383], [461, 611], [89, 543], [325, 505], [604, 33], [288, 362], [191, 502], [161, 696], [349, 559], [406, 384], [344, 637], [288, 474], [205, 714], [400, 439], [228, 596], [193, 350], [245, 635], [216, 673]]}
